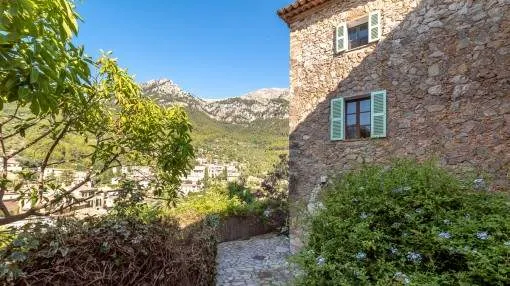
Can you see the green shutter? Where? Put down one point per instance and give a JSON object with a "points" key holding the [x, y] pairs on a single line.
{"points": [[378, 99], [341, 38], [374, 26], [337, 119]]}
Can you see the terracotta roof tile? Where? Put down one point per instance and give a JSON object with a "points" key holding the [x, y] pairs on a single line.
{"points": [[298, 7]]}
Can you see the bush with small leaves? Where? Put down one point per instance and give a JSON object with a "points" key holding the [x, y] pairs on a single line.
{"points": [[410, 224], [115, 250]]}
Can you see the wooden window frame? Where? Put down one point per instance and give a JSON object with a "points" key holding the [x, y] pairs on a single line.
{"points": [[357, 100]]}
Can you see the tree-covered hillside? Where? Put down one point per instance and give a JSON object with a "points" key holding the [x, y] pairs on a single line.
{"points": [[257, 144]]}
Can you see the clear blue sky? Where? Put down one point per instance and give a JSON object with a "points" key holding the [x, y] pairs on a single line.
{"points": [[214, 49]]}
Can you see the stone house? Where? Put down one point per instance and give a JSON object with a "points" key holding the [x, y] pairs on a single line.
{"points": [[379, 79]]}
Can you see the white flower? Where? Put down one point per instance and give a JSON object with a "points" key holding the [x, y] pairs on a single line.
{"points": [[507, 243], [361, 255], [483, 235], [445, 234], [321, 260], [363, 215], [479, 184], [394, 250], [414, 257], [447, 222], [402, 278], [419, 210]]}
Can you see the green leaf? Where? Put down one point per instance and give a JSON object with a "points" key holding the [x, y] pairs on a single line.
{"points": [[34, 75], [34, 107]]}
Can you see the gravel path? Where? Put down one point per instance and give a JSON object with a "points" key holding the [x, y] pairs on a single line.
{"points": [[260, 260]]}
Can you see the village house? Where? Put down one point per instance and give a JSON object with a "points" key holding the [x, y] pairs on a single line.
{"points": [[53, 173], [79, 177], [232, 173], [215, 170], [375, 80], [188, 186], [193, 181], [13, 166]]}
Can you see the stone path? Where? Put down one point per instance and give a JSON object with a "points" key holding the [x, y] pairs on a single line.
{"points": [[260, 260]]}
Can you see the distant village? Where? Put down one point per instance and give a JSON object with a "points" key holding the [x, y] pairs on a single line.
{"points": [[101, 196]]}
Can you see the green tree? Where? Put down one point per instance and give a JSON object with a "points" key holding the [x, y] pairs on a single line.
{"points": [[72, 96], [206, 177], [275, 184]]}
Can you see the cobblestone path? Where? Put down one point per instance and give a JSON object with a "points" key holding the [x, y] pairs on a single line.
{"points": [[258, 261]]}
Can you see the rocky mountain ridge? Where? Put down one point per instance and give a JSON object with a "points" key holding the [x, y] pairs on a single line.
{"points": [[267, 103]]}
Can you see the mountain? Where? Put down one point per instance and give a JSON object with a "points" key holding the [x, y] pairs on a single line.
{"points": [[251, 129], [267, 103]]}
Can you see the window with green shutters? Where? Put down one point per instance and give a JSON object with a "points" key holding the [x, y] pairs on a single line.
{"points": [[358, 32], [359, 117]]}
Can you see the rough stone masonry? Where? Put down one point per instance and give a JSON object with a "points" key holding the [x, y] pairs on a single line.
{"points": [[445, 65]]}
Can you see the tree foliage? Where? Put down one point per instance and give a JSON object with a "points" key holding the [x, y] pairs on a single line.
{"points": [[38, 61], [275, 184], [72, 96]]}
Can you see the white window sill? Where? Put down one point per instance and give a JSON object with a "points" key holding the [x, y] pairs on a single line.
{"points": [[357, 48]]}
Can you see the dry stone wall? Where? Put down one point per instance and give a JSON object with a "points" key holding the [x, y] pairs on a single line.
{"points": [[445, 65]]}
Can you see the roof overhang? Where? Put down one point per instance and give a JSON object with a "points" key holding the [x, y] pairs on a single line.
{"points": [[288, 13]]}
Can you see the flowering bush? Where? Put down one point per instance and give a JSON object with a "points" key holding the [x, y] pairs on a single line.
{"points": [[410, 224]]}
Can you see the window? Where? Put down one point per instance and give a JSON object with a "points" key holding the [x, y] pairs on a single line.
{"points": [[359, 32], [358, 36], [360, 117], [357, 118]]}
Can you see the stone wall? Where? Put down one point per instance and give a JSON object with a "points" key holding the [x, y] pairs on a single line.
{"points": [[445, 65]]}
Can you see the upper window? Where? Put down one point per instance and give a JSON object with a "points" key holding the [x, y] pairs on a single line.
{"points": [[357, 33]]}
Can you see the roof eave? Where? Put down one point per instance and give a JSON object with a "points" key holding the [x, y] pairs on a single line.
{"points": [[288, 13]]}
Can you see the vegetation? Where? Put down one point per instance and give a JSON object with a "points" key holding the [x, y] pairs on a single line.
{"points": [[38, 62], [136, 244], [275, 184], [236, 198], [215, 200], [258, 144], [110, 251], [73, 98], [411, 224]]}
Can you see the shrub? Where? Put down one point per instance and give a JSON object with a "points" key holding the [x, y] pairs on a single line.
{"points": [[213, 201], [275, 184], [110, 251], [240, 191], [410, 224]]}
